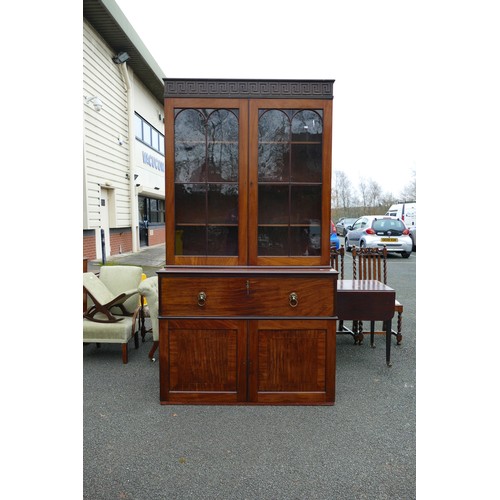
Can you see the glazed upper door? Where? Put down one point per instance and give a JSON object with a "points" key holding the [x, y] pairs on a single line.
{"points": [[248, 181], [206, 181], [290, 179]]}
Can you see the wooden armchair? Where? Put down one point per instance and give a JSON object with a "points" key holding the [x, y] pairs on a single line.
{"points": [[113, 306], [371, 264]]}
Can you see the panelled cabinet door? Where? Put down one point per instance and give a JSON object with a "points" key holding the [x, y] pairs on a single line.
{"points": [[292, 361], [203, 361], [206, 181], [290, 178]]}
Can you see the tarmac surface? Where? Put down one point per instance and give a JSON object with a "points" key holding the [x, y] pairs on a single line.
{"points": [[362, 447]]}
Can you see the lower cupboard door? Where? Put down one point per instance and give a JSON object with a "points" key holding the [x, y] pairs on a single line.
{"points": [[203, 361], [292, 361]]}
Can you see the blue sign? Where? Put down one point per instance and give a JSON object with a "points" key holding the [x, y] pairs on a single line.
{"points": [[153, 162]]}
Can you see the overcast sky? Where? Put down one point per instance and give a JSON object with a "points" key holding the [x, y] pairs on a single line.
{"points": [[368, 48]]}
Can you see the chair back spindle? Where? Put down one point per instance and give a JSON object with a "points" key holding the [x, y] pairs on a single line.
{"points": [[335, 256], [370, 264]]}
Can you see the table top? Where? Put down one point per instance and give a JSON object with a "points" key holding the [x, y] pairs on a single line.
{"points": [[362, 286]]}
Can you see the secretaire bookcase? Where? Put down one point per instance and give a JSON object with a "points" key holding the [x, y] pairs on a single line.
{"points": [[247, 296]]}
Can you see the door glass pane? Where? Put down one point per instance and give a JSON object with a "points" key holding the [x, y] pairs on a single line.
{"points": [[190, 203], [222, 146], [273, 241], [190, 146], [206, 181], [223, 204], [190, 240], [290, 176], [274, 146], [306, 203], [307, 126], [274, 204], [222, 240], [306, 163], [307, 138]]}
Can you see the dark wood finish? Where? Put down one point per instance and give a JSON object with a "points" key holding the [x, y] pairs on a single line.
{"points": [[248, 184], [203, 348], [292, 362], [170, 106], [371, 263], [364, 300], [304, 104], [203, 361], [244, 88], [244, 325], [247, 296], [367, 300]]}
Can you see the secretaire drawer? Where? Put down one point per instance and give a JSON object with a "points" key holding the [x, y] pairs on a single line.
{"points": [[246, 296]]}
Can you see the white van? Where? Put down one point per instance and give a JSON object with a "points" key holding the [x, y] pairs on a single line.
{"points": [[407, 212]]}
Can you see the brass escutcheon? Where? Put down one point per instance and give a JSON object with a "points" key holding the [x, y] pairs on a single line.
{"points": [[202, 298], [293, 299]]}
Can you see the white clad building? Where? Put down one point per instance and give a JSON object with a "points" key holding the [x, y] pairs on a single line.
{"points": [[123, 143]]}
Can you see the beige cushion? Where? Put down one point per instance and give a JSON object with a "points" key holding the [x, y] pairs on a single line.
{"points": [[121, 279], [119, 332]]}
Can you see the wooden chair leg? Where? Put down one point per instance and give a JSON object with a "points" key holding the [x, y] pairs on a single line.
{"points": [[156, 343], [372, 334], [125, 353], [399, 336]]}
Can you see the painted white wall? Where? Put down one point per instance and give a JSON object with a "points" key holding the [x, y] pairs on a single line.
{"points": [[106, 161], [106, 140], [148, 163]]}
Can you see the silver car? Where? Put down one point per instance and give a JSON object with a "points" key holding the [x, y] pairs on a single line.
{"points": [[376, 231]]}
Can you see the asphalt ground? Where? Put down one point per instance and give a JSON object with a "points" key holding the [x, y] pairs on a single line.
{"points": [[362, 447]]}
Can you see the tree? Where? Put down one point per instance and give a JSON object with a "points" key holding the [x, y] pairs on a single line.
{"points": [[409, 192], [341, 191]]}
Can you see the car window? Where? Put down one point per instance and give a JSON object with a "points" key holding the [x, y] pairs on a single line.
{"points": [[357, 225], [388, 224]]}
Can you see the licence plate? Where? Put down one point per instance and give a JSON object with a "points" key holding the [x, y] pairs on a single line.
{"points": [[389, 239]]}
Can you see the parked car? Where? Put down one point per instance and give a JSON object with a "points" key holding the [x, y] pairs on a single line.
{"points": [[376, 231], [413, 236], [343, 223], [334, 239]]}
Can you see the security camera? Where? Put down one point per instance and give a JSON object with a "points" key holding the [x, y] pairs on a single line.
{"points": [[121, 57]]}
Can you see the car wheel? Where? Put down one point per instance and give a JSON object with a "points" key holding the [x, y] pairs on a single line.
{"points": [[347, 247], [405, 255]]}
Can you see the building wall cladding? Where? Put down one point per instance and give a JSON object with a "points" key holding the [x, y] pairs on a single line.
{"points": [[107, 151], [106, 160]]}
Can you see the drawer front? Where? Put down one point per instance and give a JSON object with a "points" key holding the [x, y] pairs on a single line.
{"points": [[240, 296]]}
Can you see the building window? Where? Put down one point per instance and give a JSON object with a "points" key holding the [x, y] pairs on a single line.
{"points": [[152, 210], [148, 135]]}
